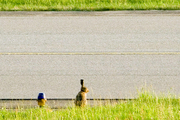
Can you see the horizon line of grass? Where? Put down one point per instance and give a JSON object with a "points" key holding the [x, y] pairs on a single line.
{"points": [[147, 106], [87, 5]]}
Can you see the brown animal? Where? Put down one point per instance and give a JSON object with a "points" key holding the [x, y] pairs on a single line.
{"points": [[81, 100]]}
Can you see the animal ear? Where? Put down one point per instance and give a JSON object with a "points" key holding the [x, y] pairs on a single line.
{"points": [[82, 82]]}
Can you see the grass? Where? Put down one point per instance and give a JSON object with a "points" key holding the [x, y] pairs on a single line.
{"points": [[147, 106], [87, 5]]}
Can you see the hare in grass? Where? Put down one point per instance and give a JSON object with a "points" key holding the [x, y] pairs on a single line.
{"points": [[81, 100]]}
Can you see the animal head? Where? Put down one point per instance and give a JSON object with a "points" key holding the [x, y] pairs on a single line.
{"points": [[83, 88]]}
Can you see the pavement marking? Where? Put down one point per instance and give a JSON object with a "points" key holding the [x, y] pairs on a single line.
{"points": [[96, 53]]}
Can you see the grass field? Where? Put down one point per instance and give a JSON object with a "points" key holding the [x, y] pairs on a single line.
{"points": [[147, 106], [87, 5]]}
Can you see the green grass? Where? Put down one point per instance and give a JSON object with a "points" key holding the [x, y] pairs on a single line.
{"points": [[147, 106], [87, 5]]}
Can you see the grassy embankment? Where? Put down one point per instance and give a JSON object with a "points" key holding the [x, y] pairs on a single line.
{"points": [[147, 106], [87, 5]]}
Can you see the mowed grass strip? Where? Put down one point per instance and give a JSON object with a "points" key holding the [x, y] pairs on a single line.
{"points": [[147, 106], [87, 5]]}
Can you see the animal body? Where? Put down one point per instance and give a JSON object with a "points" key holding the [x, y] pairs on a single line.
{"points": [[81, 99]]}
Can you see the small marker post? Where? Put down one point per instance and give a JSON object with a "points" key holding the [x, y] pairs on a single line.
{"points": [[41, 99]]}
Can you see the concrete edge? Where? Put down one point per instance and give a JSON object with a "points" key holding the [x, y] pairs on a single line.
{"points": [[89, 13]]}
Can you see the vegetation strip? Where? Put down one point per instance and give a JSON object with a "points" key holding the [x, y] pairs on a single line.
{"points": [[87, 5], [147, 106]]}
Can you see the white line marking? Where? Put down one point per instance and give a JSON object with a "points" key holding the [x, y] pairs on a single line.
{"points": [[97, 53]]}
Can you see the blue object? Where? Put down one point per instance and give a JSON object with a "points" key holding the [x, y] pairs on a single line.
{"points": [[41, 96]]}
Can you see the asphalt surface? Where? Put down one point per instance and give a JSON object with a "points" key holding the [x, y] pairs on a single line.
{"points": [[116, 53]]}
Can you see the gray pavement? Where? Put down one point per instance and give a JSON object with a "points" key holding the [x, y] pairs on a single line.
{"points": [[129, 51]]}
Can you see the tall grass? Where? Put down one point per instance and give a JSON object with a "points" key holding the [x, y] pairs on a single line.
{"points": [[147, 106], [59, 5]]}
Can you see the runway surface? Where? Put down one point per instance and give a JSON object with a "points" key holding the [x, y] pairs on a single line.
{"points": [[116, 53]]}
